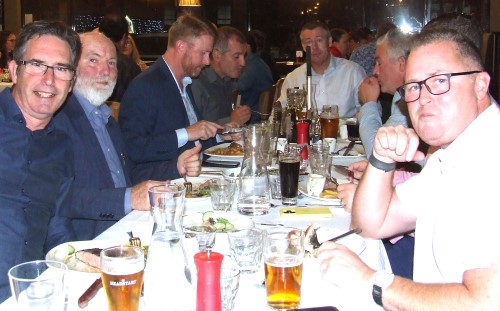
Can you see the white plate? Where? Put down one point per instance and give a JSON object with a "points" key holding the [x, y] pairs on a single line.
{"points": [[216, 157], [354, 242], [356, 154], [303, 190], [60, 253], [196, 181]]}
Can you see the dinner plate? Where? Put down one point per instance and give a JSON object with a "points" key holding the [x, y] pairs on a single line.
{"points": [[303, 190], [60, 253], [356, 154], [354, 242], [196, 181], [217, 157]]}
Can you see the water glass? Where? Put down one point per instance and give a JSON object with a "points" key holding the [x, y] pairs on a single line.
{"points": [[122, 272], [319, 158], [229, 283], [167, 206], [222, 192], [38, 285], [283, 258], [246, 248]]}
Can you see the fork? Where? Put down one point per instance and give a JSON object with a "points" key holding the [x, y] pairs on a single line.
{"points": [[134, 241], [260, 113], [188, 185]]}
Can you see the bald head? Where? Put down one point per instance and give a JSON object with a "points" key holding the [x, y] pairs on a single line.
{"points": [[97, 69]]}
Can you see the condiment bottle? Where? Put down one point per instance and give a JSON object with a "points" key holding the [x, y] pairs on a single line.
{"points": [[303, 137], [208, 294]]}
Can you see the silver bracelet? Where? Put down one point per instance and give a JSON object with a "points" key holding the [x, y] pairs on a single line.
{"points": [[383, 166]]}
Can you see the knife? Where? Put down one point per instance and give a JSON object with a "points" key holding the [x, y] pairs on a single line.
{"points": [[349, 147], [343, 170], [84, 299], [227, 164]]}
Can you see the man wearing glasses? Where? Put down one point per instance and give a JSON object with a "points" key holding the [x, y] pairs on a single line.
{"points": [[35, 158], [457, 262], [336, 79]]}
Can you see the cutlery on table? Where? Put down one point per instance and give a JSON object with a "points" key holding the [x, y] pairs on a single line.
{"points": [[188, 185], [349, 148], [134, 241], [314, 237]]}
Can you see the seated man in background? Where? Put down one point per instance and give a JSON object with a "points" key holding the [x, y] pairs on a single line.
{"points": [[336, 79], [456, 266], [158, 117], [256, 76], [102, 191], [213, 89], [36, 165]]}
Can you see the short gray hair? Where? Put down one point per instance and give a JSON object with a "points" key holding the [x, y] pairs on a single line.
{"points": [[398, 43]]}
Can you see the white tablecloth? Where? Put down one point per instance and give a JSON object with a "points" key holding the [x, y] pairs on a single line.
{"points": [[251, 294]]}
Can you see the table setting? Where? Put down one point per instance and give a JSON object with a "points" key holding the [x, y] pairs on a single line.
{"points": [[234, 213]]}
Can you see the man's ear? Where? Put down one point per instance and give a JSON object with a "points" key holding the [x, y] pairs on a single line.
{"points": [[13, 67], [402, 63], [481, 85]]}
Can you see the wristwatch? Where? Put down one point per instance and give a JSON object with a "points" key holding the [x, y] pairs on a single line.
{"points": [[381, 280]]}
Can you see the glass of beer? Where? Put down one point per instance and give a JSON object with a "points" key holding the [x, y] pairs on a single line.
{"points": [[329, 120], [289, 167], [122, 270], [283, 257]]}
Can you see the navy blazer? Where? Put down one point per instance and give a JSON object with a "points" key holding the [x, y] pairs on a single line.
{"points": [[150, 112], [95, 204]]}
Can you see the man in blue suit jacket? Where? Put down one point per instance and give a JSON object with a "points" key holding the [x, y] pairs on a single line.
{"points": [[158, 117], [102, 193]]}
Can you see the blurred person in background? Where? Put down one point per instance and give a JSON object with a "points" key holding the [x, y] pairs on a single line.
{"points": [[130, 50], [340, 42], [255, 78], [7, 45]]}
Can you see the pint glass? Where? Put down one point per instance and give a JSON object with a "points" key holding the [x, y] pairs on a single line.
{"points": [[122, 275], [283, 257], [329, 120]]}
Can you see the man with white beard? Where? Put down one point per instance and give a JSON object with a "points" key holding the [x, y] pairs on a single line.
{"points": [[102, 192]]}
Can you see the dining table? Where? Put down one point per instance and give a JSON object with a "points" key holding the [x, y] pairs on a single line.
{"points": [[251, 294]]}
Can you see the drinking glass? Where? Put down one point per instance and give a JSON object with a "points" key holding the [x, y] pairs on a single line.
{"points": [[222, 192], [246, 248], [289, 165], [167, 206], [229, 283], [122, 271], [319, 158], [329, 119], [283, 258], [38, 285], [352, 125]]}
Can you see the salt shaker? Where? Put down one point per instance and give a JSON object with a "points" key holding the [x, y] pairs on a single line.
{"points": [[208, 294]]}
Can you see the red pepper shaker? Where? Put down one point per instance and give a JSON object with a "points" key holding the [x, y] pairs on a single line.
{"points": [[208, 295], [303, 137]]}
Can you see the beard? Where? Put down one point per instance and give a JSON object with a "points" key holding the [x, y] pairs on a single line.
{"points": [[95, 95]]}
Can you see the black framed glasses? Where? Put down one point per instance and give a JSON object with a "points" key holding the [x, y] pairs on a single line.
{"points": [[39, 69], [436, 85]]}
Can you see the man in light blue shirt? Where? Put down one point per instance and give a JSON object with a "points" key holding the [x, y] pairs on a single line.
{"points": [[336, 80]]}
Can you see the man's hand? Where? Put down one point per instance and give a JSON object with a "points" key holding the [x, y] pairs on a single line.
{"points": [[240, 115], [189, 162], [358, 168], [139, 197], [346, 195], [369, 90], [202, 130], [397, 144]]}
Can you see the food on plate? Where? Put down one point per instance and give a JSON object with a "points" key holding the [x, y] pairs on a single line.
{"points": [[311, 239], [329, 194], [234, 149], [219, 223], [199, 191]]}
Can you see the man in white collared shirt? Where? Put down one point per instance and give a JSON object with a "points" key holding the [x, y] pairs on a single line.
{"points": [[336, 80]]}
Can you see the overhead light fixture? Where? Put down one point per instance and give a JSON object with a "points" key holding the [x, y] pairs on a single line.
{"points": [[189, 3]]}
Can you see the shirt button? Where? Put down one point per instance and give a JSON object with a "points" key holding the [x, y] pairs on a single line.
{"points": [[25, 242]]}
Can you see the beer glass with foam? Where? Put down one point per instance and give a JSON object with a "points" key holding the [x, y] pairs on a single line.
{"points": [[122, 270], [283, 258], [329, 120]]}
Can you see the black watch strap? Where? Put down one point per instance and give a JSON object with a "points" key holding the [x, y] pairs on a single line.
{"points": [[377, 295], [384, 166]]}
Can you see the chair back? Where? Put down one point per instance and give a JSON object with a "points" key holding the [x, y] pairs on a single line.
{"points": [[266, 101], [115, 109], [278, 84]]}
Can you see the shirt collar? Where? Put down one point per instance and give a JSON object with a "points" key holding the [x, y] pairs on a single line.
{"points": [[102, 112], [331, 67]]}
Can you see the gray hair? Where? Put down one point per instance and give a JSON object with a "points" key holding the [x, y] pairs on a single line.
{"points": [[398, 43]]}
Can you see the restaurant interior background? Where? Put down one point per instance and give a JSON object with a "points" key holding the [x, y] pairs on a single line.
{"points": [[280, 20]]}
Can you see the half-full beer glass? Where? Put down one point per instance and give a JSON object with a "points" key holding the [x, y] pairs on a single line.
{"points": [[283, 257], [329, 119], [122, 275]]}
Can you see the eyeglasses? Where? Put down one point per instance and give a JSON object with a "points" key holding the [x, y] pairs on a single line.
{"points": [[436, 85], [12, 40], [317, 40], [38, 69]]}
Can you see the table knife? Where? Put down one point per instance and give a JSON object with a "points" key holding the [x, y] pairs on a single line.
{"points": [[349, 148]]}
